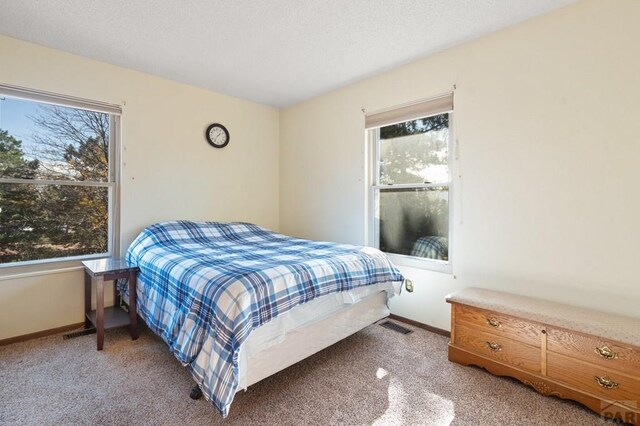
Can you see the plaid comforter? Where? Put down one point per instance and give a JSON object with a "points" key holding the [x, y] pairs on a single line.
{"points": [[204, 286], [431, 248]]}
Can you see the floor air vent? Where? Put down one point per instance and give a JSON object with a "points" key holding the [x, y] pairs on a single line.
{"points": [[395, 327], [79, 333]]}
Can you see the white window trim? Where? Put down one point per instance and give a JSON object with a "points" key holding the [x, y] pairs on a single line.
{"points": [[15, 270], [372, 187]]}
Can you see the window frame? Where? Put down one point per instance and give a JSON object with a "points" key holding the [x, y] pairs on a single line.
{"points": [[40, 266], [374, 188]]}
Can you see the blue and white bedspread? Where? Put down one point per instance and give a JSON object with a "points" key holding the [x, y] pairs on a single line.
{"points": [[204, 286]]}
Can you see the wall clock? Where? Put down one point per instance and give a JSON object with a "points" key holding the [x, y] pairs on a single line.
{"points": [[217, 135]]}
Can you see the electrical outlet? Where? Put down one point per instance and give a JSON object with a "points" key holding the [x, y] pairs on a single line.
{"points": [[408, 284]]}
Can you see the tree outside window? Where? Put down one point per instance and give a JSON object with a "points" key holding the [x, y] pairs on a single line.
{"points": [[55, 181]]}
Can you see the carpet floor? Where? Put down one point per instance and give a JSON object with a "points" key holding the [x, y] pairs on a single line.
{"points": [[377, 376]]}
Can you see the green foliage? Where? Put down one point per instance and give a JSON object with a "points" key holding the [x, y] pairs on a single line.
{"points": [[414, 127], [19, 204], [12, 161], [77, 142], [47, 221]]}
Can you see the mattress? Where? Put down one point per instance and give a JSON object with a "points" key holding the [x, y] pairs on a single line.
{"points": [[254, 360]]}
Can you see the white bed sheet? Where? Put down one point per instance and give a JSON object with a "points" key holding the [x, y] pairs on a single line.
{"points": [[303, 316]]}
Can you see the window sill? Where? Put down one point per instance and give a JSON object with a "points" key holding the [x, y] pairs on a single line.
{"points": [[441, 266], [34, 268]]}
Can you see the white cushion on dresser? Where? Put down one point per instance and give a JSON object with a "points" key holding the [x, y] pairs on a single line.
{"points": [[614, 327]]}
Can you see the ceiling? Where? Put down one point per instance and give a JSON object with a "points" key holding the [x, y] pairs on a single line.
{"points": [[276, 52]]}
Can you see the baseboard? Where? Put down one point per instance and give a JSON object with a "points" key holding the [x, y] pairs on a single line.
{"points": [[57, 330], [420, 325], [43, 333]]}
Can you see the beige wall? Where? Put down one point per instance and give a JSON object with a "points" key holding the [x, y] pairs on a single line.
{"points": [[547, 119], [169, 170]]}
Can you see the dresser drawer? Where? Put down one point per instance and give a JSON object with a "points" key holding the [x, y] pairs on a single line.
{"points": [[499, 324], [594, 350], [605, 383], [498, 348]]}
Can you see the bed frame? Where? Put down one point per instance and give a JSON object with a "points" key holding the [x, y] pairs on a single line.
{"points": [[303, 342]]}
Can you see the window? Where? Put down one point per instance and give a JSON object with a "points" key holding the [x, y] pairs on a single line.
{"points": [[410, 176], [58, 177]]}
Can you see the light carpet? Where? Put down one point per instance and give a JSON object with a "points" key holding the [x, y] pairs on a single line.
{"points": [[377, 376]]}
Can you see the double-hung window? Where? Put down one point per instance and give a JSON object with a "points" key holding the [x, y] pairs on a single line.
{"points": [[410, 182], [58, 177]]}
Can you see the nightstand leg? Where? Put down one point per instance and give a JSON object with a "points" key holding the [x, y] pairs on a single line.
{"points": [[133, 311], [87, 300], [100, 311], [116, 293]]}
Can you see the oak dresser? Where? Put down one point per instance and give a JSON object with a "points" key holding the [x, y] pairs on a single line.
{"points": [[559, 350]]}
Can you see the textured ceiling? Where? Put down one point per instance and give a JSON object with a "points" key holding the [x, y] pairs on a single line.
{"points": [[276, 52]]}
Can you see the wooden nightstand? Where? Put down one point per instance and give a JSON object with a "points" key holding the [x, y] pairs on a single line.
{"points": [[99, 271]]}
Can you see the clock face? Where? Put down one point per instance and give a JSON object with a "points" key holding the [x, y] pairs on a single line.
{"points": [[217, 135]]}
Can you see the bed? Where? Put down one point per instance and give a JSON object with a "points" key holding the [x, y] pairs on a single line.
{"points": [[236, 302]]}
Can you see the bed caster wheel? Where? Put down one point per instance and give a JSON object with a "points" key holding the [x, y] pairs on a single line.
{"points": [[196, 393]]}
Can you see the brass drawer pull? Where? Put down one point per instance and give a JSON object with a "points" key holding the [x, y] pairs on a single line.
{"points": [[494, 346], [494, 323], [605, 382], [606, 352]]}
